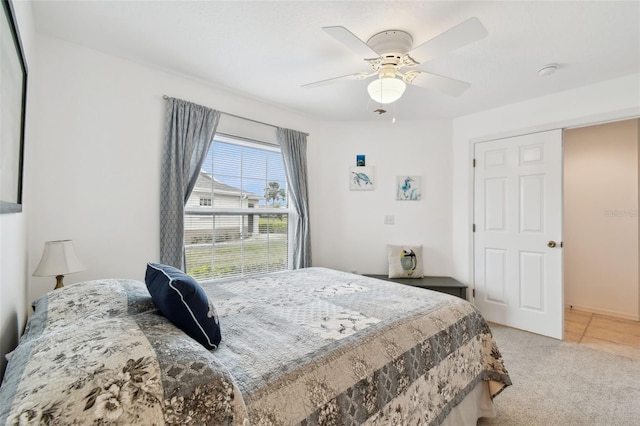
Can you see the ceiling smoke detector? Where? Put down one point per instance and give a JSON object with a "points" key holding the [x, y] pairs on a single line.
{"points": [[547, 70]]}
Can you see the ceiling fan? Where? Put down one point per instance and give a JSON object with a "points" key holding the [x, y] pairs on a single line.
{"points": [[392, 57]]}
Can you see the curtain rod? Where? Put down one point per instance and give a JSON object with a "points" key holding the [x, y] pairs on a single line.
{"points": [[165, 97]]}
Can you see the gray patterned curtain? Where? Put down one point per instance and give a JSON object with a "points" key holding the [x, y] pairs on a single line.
{"points": [[293, 145], [188, 134]]}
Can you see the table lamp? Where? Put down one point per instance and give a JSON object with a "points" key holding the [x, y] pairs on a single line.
{"points": [[59, 258]]}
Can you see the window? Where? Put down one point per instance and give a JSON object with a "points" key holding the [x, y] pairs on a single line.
{"points": [[237, 217]]}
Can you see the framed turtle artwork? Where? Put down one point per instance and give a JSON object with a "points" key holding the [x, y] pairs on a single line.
{"points": [[362, 178]]}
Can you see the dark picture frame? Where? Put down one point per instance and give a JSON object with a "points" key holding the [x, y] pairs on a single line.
{"points": [[13, 98]]}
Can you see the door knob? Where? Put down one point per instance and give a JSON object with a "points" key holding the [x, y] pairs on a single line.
{"points": [[551, 244]]}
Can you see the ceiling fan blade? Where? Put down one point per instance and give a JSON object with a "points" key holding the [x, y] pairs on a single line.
{"points": [[439, 83], [356, 76], [347, 38], [462, 34]]}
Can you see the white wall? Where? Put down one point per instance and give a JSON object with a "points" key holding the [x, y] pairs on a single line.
{"points": [[608, 100], [601, 218], [348, 226], [13, 227]]}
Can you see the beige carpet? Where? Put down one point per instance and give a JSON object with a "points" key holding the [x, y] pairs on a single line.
{"points": [[559, 383]]}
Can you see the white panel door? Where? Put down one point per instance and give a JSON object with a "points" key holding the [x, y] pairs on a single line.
{"points": [[518, 231]]}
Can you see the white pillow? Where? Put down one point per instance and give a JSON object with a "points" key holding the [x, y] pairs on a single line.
{"points": [[405, 261]]}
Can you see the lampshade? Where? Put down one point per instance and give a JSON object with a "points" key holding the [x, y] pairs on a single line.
{"points": [[58, 258], [386, 89]]}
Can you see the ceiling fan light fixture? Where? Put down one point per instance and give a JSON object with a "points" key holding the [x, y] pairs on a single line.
{"points": [[386, 90]]}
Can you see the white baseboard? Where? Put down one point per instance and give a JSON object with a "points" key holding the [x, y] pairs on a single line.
{"points": [[616, 314]]}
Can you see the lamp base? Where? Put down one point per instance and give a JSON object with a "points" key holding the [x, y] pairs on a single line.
{"points": [[59, 282]]}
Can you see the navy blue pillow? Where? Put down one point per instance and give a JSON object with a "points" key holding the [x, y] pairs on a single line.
{"points": [[181, 299]]}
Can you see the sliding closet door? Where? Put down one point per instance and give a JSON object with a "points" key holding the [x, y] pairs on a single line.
{"points": [[518, 232]]}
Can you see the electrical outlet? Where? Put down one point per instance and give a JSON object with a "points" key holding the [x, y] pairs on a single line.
{"points": [[389, 220]]}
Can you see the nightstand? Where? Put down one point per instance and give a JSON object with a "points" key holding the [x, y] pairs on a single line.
{"points": [[442, 284]]}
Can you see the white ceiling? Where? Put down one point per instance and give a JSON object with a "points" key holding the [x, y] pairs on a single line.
{"points": [[267, 49]]}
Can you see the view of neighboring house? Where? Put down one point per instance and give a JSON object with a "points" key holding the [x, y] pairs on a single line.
{"points": [[202, 227], [245, 242]]}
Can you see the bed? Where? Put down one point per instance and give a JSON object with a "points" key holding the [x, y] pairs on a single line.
{"points": [[307, 347]]}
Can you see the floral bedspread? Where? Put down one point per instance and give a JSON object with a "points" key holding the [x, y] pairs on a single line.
{"points": [[312, 346]]}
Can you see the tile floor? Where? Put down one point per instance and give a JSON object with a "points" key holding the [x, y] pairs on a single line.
{"points": [[609, 334]]}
